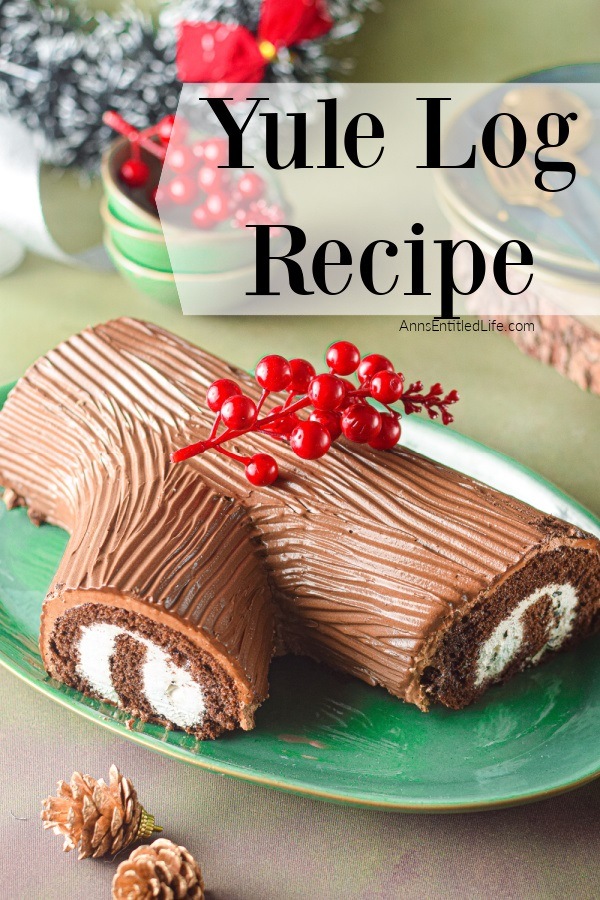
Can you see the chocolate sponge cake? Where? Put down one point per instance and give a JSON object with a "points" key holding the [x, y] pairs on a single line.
{"points": [[179, 581]]}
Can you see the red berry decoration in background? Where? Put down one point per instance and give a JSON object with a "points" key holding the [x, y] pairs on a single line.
{"points": [[182, 190], [262, 469], [201, 179], [343, 358], [239, 412], [216, 151], [164, 129], [134, 172], [310, 440], [361, 423], [273, 373], [251, 186], [372, 364], [335, 406], [220, 391], [389, 433], [386, 387], [181, 159], [326, 391], [302, 374], [201, 218], [217, 205]]}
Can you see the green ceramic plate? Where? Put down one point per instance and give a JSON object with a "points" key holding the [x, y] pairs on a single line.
{"points": [[325, 735]]}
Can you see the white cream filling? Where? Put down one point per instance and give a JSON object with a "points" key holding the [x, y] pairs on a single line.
{"points": [[504, 643], [169, 689]]}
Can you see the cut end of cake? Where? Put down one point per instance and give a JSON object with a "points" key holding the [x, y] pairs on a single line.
{"points": [[153, 672], [548, 604]]}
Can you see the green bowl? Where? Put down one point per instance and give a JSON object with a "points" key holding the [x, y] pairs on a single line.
{"points": [[188, 252], [224, 287], [142, 247]]}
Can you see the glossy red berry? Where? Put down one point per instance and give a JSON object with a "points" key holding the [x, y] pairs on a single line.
{"points": [[181, 160], [216, 152], [218, 205], [273, 373], [310, 440], [251, 186], [262, 469], [302, 374], [389, 433], [165, 129], [371, 365], [386, 386], [210, 179], [329, 420], [326, 391], [201, 217], [361, 423], [198, 149], [134, 172], [239, 412], [220, 391], [343, 358], [182, 190]]}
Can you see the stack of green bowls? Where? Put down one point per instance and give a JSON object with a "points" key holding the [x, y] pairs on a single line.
{"points": [[218, 262]]}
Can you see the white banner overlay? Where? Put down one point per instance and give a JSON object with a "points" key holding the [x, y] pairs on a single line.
{"points": [[386, 199]]}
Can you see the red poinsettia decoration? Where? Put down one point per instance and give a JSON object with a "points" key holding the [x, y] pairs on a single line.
{"points": [[217, 52]]}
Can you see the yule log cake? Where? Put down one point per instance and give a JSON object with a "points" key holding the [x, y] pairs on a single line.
{"points": [[179, 581]]}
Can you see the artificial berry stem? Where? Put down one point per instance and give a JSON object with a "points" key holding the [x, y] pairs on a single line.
{"points": [[339, 408], [133, 135]]}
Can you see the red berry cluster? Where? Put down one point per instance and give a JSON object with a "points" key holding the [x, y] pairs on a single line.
{"points": [[206, 194], [337, 407]]}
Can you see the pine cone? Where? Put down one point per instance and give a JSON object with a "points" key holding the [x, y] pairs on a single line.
{"points": [[161, 870], [99, 818]]}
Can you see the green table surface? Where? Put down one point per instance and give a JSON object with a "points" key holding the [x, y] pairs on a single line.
{"points": [[255, 843]]}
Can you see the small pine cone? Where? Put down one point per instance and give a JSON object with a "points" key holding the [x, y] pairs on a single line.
{"points": [[99, 818], [160, 870]]}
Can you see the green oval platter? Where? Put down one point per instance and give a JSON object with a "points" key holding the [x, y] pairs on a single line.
{"points": [[327, 736]]}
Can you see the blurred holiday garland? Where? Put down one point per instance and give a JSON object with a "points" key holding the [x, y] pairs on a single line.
{"points": [[62, 67]]}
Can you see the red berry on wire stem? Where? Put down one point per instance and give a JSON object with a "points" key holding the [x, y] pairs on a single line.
{"points": [[329, 420], [134, 172], [302, 374], [273, 373], [343, 358], [239, 412], [386, 387], [389, 433], [310, 440], [262, 469], [361, 423], [372, 364], [283, 425], [220, 391], [326, 391]]}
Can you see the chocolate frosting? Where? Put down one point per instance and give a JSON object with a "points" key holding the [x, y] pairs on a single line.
{"points": [[365, 554]]}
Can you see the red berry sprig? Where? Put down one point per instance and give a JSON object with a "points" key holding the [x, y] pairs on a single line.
{"points": [[338, 407], [205, 194]]}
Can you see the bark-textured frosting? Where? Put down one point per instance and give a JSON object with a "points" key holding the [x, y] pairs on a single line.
{"points": [[366, 553]]}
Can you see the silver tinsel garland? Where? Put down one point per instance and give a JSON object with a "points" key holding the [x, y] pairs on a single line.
{"points": [[62, 67]]}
